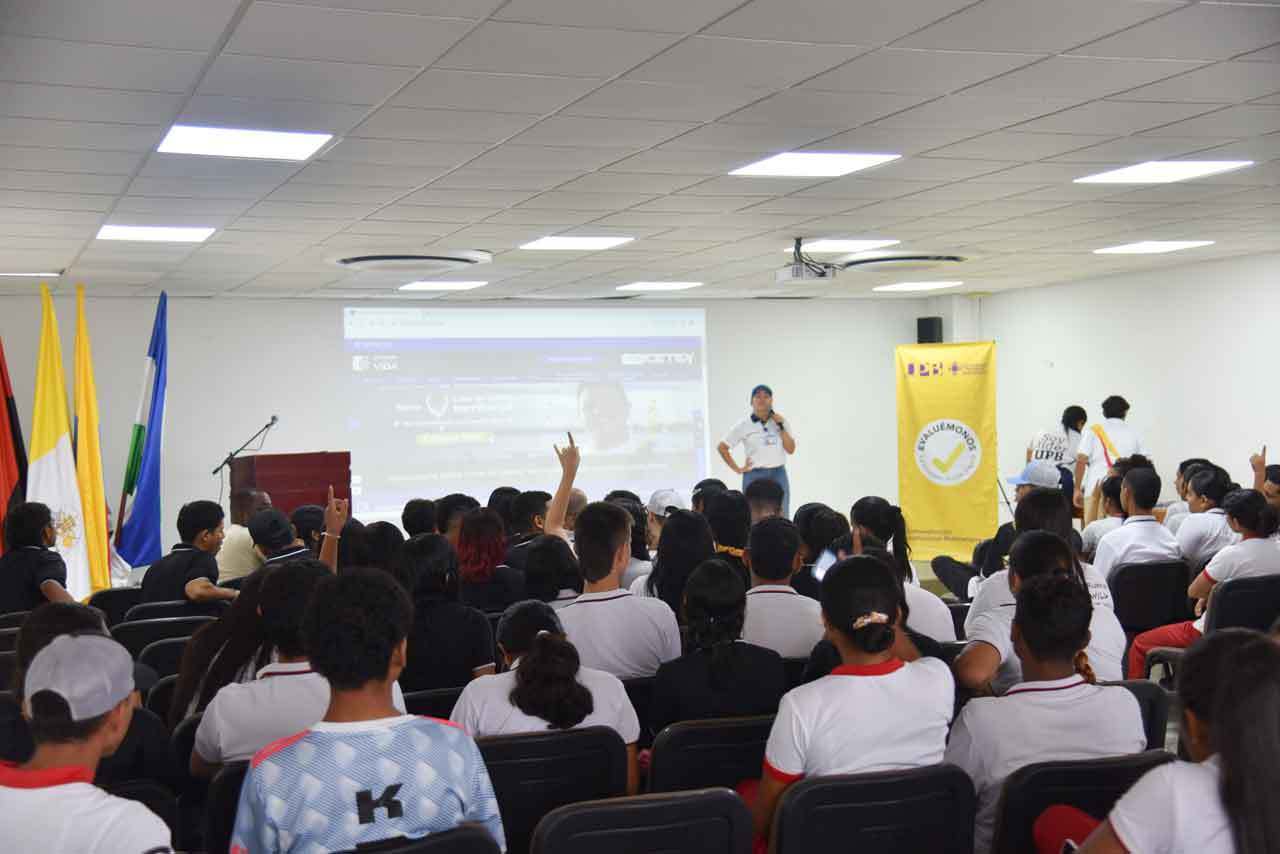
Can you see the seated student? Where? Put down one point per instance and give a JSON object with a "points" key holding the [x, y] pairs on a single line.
{"points": [[237, 557], [685, 543], [31, 572], [544, 687], [764, 497], [702, 489], [616, 495], [451, 509], [528, 517], [1221, 802], [1255, 521], [1112, 518], [988, 665], [274, 538], [1140, 538], [552, 574], [873, 713], [1205, 531], [80, 702], [884, 521], [308, 523], [641, 563], [288, 695], [661, 504], [729, 516], [1266, 479], [1043, 718], [486, 582], [190, 570], [449, 643], [613, 630], [382, 542], [1180, 508], [365, 772], [819, 527], [778, 618], [418, 517], [721, 676]]}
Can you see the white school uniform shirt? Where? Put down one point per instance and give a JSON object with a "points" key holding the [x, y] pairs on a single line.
{"points": [[1096, 530], [1175, 809], [1203, 535], [1172, 512], [1039, 722], [1056, 445], [1140, 539], [995, 593], [485, 706], [780, 619], [1126, 440], [614, 631], [1245, 559], [879, 717], [286, 698], [61, 811], [930, 616], [761, 441], [636, 569]]}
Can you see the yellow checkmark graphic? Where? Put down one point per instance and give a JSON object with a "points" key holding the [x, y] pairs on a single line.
{"points": [[944, 466]]}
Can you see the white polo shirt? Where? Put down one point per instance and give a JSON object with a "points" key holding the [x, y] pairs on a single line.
{"points": [[241, 719], [485, 707], [873, 718], [61, 811], [930, 616], [762, 442], [1172, 512], [614, 631], [1245, 559], [1096, 530], [1175, 809], [1039, 722], [1140, 539], [237, 557], [780, 619], [1203, 535], [1125, 439], [995, 593]]}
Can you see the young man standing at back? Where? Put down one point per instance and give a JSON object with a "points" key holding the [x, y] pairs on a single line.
{"points": [[190, 570], [778, 617]]}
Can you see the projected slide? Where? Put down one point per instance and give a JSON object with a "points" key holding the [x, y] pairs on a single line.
{"points": [[448, 400]]}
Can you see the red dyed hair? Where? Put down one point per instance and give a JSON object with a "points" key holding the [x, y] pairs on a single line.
{"points": [[482, 544]]}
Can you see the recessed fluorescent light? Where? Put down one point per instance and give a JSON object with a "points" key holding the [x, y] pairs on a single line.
{"points": [[31, 275], [1164, 171], [813, 164], [844, 245], [659, 286], [442, 286], [234, 142], [902, 287], [1152, 247], [577, 244], [151, 233]]}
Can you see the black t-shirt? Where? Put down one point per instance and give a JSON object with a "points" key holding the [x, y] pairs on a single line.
{"points": [[805, 584], [504, 587], [753, 684], [22, 571], [447, 642], [166, 579], [518, 550]]}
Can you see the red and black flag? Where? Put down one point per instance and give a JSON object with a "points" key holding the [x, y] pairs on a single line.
{"points": [[13, 455]]}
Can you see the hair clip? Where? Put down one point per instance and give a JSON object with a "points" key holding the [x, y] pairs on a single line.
{"points": [[875, 617], [542, 632]]}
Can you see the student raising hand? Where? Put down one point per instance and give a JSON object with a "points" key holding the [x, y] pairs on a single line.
{"points": [[570, 457]]}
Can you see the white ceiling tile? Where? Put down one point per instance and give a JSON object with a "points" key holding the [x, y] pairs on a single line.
{"points": [[205, 188], [1223, 83], [704, 60], [48, 230], [402, 228], [1045, 172], [165, 206], [808, 205], [684, 162], [1011, 145], [917, 72], [1113, 117], [1258, 148], [686, 203], [59, 134], [628, 182], [399, 152], [1241, 120], [1080, 77], [975, 191], [868, 22], [1200, 31], [366, 174], [854, 187], [569, 201], [179, 24], [1136, 149], [476, 9], [503, 93], [504, 179], [546, 158], [533, 49], [271, 114], [70, 160], [742, 185], [976, 113], [36, 216], [758, 138], [59, 182], [313, 210], [1267, 54], [28, 60], [630, 99], [873, 139], [935, 169], [87, 105], [552, 220], [290, 224], [631, 134], [433, 213], [336, 82], [443, 125], [1047, 26], [823, 109], [664, 16], [473, 198], [231, 169]]}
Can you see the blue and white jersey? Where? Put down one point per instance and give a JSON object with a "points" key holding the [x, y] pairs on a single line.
{"points": [[339, 785]]}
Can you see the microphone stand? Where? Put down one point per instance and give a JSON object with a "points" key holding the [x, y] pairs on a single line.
{"points": [[1004, 495], [231, 456]]}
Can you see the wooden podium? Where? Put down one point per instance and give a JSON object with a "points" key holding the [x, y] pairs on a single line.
{"points": [[294, 479]]}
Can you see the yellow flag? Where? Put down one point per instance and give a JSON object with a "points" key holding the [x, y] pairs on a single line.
{"points": [[89, 455]]}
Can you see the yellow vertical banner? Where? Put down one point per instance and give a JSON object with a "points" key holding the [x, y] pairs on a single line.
{"points": [[947, 446]]}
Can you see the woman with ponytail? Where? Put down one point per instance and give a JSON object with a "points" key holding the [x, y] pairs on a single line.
{"points": [[545, 687], [874, 712], [884, 521], [1255, 522]]}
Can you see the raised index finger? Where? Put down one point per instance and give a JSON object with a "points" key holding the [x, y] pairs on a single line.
{"points": [[571, 445]]}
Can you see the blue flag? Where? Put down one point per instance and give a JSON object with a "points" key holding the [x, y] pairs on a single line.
{"points": [[139, 541]]}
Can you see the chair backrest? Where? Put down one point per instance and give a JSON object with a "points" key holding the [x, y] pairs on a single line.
{"points": [[918, 809], [706, 821], [164, 656], [12, 619], [1093, 785], [959, 610], [115, 602], [535, 773], [640, 693], [1245, 603], [1154, 703], [1148, 595], [181, 743], [794, 669], [160, 697], [153, 796], [464, 839], [220, 806], [435, 703], [714, 752], [134, 636], [8, 639], [175, 608], [8, 664]]}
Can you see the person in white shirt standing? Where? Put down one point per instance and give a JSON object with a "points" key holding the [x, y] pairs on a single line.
{"points": [[1100, 446], [79, 703], [1140, 538], [778, 617], [767, 438], [1205, 531], [1060, 445]]}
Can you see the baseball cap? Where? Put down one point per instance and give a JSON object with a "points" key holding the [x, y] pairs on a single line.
{"points": [[762, 387], [662, 502], [270, 529], [1037, 473], [91, 673]]}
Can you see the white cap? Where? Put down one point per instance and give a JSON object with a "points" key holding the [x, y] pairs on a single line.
{"points": [[91, 673], [662, 502], [1038, 473]]}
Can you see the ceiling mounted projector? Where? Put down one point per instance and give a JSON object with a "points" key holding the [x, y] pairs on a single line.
{"points": [[415, 263], [806, 268]]}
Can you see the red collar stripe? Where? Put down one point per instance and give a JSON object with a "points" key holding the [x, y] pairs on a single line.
{"points": [[882, 669], [1020, 690], [14, 776]]}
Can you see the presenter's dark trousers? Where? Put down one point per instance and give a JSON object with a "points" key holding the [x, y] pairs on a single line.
{"points": [[779, 476]]}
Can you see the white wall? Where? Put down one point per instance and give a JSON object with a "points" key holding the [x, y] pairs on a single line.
{"points": [[232, 363]]}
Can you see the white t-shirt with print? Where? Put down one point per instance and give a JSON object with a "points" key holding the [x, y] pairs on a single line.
{"points": [[1057, 446], [1175, 809], [485, 707], [1126, 440]]}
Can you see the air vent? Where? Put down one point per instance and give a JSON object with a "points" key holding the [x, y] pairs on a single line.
{"points": [[415, 264]]}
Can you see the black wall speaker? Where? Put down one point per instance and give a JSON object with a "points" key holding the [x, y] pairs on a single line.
{"points": [[928, 330]]}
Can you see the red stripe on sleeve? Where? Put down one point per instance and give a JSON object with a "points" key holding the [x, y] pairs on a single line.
{"points": [[781, 776], [275, 747]]}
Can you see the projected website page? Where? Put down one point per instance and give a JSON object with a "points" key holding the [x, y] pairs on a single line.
{"points": [[449, 400]]}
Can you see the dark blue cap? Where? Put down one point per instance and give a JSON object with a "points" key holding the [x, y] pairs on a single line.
{"points": [[762, 387]]}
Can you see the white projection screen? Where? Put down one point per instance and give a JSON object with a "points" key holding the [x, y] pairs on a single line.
{"points": [[444, 400]]}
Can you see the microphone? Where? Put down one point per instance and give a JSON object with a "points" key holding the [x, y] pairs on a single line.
{"points": [[275, 419]]}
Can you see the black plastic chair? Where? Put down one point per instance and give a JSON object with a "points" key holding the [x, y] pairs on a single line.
{"points": [[8, 639], [164, 656], [13, 619], [1240, 603], [135, 636], [794, 669], [435, 703], [153, 796], [535, 773], [959, 611], [233, 583], [1092, 785], [1148, 595], [192, 791], [640, 693], [8, 664], [1154, 703], [904, 812], [160, 697], [220, 806], [175, 608], [116, 602], [464, 839], [707, 821], [713, 752]]}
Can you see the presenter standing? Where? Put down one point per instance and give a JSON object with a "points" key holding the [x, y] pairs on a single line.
{"points": [[767, 439]]}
